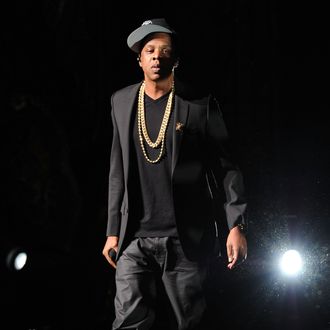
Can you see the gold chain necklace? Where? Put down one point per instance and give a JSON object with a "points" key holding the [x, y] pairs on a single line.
{"points": [[142, 127]]}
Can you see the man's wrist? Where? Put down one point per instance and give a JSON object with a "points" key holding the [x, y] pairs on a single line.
{"points": [[242, 228]]}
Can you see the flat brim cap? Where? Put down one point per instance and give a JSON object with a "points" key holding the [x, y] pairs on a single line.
{"points": [[150, 26]]}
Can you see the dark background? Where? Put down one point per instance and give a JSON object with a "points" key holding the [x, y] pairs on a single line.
{"points": [[60, 60]]}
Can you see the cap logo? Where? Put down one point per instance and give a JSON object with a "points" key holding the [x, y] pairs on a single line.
{"points": [[147, 22]]}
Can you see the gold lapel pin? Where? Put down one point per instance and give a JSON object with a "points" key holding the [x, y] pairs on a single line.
{"points": [[179, 127]]}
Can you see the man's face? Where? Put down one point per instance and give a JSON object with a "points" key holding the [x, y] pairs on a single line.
{"points": [[157, 57]]}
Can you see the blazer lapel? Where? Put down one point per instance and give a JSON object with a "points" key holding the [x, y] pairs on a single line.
{"points": [[128, 124], [181, 110]]}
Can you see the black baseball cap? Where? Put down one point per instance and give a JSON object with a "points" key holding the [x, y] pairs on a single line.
{"points": [[150, 26]]}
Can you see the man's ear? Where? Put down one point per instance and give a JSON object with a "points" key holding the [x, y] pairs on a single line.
{"points": [[139, 59], [176, 64]]}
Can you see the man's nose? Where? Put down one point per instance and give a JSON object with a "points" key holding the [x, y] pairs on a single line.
{"points": [[156, 55]]}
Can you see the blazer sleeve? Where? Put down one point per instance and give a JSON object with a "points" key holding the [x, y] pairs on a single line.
{"points": [[116, 180], [224, 176]]}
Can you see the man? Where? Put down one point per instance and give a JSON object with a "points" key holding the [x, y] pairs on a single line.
{"points": [[168, 165]]}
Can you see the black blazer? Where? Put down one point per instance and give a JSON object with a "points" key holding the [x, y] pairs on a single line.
{"points": [[202, 171]]}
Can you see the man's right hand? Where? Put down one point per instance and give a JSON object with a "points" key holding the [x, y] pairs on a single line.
{"points": [[111, 243]]}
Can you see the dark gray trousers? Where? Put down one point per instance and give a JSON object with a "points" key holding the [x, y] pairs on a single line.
{"points": [[137, 269]]}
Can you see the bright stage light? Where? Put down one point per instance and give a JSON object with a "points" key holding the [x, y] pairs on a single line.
{"points": [[20, 260], [291, 263], [16, 259]]}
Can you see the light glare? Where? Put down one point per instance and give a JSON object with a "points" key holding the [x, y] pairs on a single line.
{"points": [[20, 261], [291, 263]]}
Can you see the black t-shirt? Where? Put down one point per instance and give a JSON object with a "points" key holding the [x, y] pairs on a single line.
{"points": [[155, 178]]}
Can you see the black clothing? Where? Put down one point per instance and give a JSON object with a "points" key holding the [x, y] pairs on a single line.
{"points": [[200, 163], [143, 262], [155, 179], [179, 192]]}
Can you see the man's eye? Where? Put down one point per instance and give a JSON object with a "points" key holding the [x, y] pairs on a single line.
{"points": [[167, 52]]}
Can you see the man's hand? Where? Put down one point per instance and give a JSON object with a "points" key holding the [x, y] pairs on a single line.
{"points": [[236, 247], [111, 243]]}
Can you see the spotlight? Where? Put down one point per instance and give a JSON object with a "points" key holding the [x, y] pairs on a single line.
{"points": [[291, 263], [16, 259]]}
